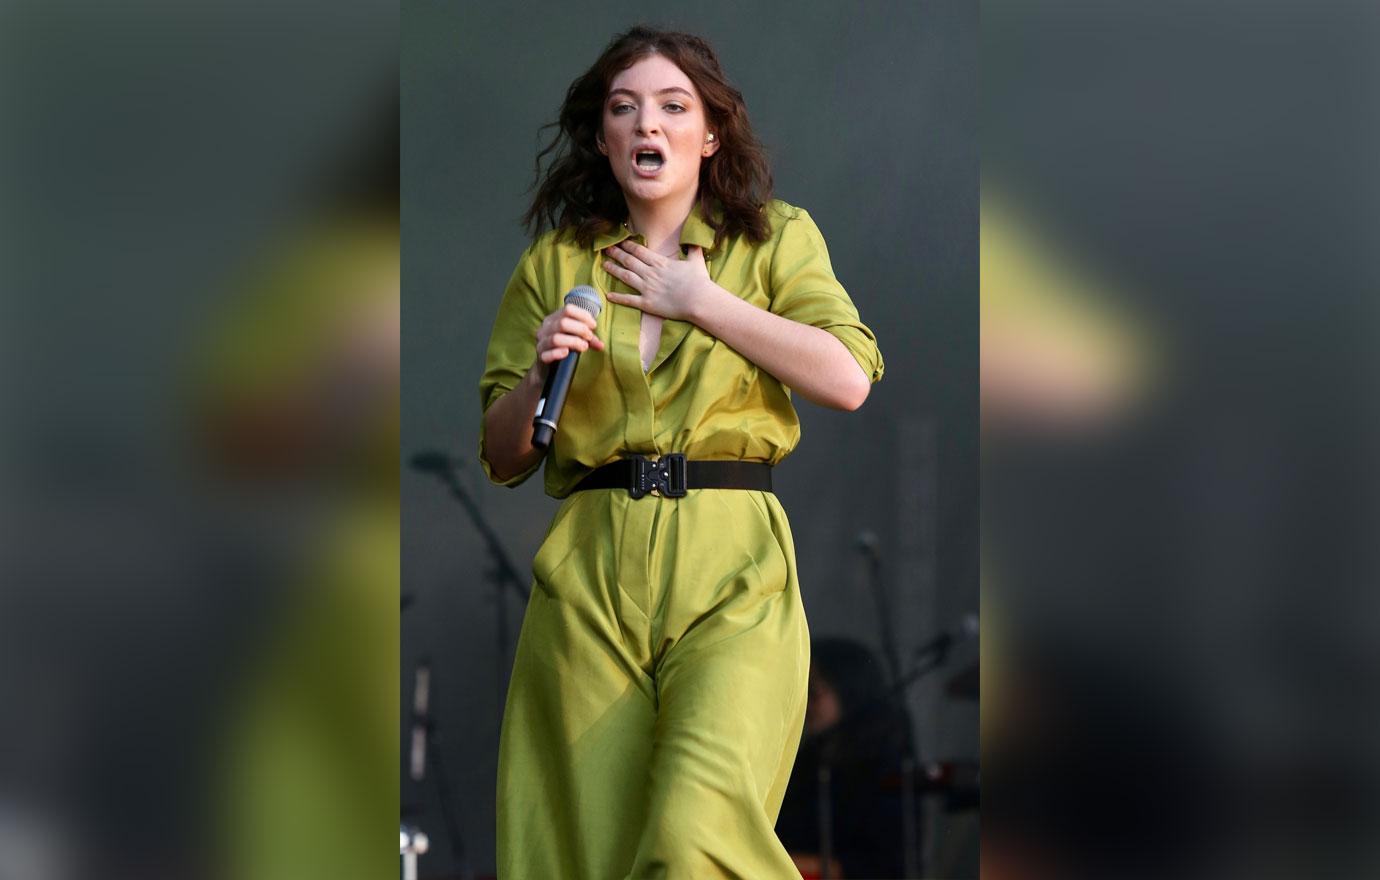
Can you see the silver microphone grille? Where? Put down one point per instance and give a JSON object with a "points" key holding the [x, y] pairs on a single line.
{"points": [[587, 298]]}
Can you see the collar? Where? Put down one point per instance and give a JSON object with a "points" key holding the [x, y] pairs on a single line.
{"points": [[696, 230]]}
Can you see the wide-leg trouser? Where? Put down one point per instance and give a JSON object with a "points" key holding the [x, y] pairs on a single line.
{"points": [[658, 692]]}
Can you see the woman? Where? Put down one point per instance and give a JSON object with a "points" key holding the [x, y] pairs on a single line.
{"points": [[658, 689]]}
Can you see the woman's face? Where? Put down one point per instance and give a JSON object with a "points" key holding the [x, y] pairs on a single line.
{"points": [[655, 132]]}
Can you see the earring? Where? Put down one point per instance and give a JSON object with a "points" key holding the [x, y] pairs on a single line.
{"points": [[709, 138]]}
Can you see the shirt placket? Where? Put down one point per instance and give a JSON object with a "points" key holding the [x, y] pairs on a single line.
{"points": [[639, 419], [639, 436]]}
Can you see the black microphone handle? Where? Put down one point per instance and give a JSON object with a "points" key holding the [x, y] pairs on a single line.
{"points": [[553, 393]]}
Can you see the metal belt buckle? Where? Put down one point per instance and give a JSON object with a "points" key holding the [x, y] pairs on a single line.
{"points": [[664, 477]]}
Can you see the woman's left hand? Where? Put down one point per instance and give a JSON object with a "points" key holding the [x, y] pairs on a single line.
{"points": [[670, 288]]}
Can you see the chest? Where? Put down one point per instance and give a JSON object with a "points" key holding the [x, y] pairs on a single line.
{"points": [[649, 339]]}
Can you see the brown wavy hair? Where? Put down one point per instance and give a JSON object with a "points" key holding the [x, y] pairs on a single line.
{"points": [[577, 193]]}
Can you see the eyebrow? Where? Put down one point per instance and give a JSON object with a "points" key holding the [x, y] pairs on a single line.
{"points": [[630, 93]]}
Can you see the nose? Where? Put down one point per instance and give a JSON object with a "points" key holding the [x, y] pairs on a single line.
{"points": [[647, 121]]}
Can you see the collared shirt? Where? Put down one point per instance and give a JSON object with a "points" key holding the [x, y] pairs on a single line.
{"points": [[699, 396]]}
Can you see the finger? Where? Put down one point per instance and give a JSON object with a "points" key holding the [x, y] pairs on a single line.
{"points": [[576, 312], [624, 299], [696, 253], [579, 331], [644, 254], [576, 327], [637, 267], [547, 339], [551, 355], [570, 341], [638, 260], [627, 276]]}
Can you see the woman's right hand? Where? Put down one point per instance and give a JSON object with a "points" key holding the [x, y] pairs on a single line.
{"points": [[508, 423], [569, 328]]}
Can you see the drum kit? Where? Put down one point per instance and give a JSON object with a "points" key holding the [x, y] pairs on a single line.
{"points": [[956, 782]]}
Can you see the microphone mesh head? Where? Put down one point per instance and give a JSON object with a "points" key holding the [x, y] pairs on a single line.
{"points": [[587, 298]]}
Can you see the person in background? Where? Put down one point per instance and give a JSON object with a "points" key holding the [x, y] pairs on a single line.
{"points": [[861, 732]]}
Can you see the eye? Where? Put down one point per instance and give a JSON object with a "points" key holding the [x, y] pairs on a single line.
{"points": [[620, 109], [674, 107]]}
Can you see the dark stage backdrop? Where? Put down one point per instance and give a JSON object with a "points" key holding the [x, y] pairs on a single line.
{"points": [[869, 112]]}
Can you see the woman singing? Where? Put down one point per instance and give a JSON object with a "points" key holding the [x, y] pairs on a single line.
{"points": [[658, 690]]}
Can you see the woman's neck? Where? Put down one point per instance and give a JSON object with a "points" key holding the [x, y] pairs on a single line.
{"points": [[659, 225]]}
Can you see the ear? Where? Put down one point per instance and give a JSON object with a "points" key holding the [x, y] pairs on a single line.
{"points": [[599, 142], [711, 146]]}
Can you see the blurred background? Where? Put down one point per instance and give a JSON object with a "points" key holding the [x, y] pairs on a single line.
{"points": [[198, 620], [198, 597], [869, 114], [1179, 319]]}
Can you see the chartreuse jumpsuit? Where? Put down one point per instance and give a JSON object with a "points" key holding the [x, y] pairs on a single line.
{"points": [[658, 690]]}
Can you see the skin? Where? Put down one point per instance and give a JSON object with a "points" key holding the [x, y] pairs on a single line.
{"points": [[654, 102], [823, 709]]}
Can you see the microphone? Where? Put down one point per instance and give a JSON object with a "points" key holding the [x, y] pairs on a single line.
{"points": [[940, 645], [560, 374], [866, 543], [969, 628]]}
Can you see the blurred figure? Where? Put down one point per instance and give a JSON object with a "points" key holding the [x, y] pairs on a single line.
{"points": [[857, 729], [1057, 351], [1061, 359], [202, 544], [300, 416]]}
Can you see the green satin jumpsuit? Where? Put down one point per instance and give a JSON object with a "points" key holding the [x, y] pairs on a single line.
{"points": [[658, 690]]}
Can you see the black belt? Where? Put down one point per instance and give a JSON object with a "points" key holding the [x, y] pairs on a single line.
{"points": [[671, 476]]}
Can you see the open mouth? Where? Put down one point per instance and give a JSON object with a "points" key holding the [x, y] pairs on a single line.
{"points": [[648, 160]]}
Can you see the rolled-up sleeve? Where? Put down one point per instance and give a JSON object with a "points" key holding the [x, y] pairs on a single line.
{"points": [[804, 289], [512, 349]]}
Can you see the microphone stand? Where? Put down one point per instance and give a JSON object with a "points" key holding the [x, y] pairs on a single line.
{"points": [[502, 571], [927, 658], [867, 545]]}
